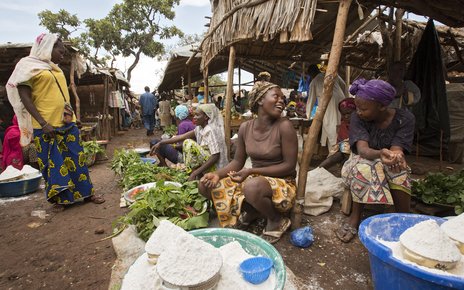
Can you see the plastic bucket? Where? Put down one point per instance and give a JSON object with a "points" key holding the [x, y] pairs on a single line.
{"points": [[252, 244], [389, 273]]}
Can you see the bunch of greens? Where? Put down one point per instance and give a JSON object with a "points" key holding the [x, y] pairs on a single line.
{"points": [[123, 159], [441, 189], [171, 130], [138, 173], [91, 149], [183, 206]]}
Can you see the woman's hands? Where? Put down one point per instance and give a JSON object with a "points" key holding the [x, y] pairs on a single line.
{"points": [[210, 180], [393, 159], [155, 148], [239, 176], [49, 130]]}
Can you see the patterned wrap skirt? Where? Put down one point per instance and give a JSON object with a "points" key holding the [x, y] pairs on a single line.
{"points": [[228, 197], [63, 165], [370, 181]]}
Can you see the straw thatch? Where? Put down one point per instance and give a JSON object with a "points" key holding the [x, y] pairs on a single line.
{"points": [[264, 20]]}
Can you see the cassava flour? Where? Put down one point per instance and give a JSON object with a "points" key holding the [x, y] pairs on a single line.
{"points": [[141, 275], [397, 253], [454, 228], [428, 240], [188, 262], [164, 236], [231, 279]]}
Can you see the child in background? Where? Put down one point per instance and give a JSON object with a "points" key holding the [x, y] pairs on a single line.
{"points": [[340, 152]]}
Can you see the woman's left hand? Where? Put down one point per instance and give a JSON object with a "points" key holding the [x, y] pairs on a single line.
{"points": [[239, 176]]}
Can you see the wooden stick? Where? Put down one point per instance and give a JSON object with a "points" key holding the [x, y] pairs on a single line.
{"points": [[229, 94], [330, 77], [189, 79], [398, 32]]}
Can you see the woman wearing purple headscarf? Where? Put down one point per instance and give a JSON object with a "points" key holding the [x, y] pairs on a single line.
{"points": [[376, 172]]}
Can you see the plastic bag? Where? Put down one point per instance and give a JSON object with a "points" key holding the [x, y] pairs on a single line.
{"points": [[302, 237]]}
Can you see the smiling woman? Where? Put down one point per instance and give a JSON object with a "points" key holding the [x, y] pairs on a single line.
{"points": [[240, 194]]}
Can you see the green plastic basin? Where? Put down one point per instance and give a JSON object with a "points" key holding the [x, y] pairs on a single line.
{"points": [[252, 244]]}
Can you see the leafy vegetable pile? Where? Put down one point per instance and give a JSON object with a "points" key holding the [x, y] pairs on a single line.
{"points": [[171, 130], [183, 206], [441, 189], [90, 149]]}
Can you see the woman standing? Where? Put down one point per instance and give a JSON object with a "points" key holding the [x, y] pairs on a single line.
{"points": [[268, 189], [209, 151], [377, 172], [37, 88]]}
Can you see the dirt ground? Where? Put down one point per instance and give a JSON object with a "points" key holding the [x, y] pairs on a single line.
{"points": [[64, 251]]}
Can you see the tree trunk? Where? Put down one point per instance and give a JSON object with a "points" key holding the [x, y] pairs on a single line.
{"points": [[133, 65], [330, 77]]}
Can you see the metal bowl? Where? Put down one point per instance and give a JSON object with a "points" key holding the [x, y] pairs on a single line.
{"points": [[143, 187], [20, 187]]}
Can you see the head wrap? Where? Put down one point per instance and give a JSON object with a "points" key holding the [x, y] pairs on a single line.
{"points": [[258, 91], [217, 127], [38, 60], [182, 112], [347, 103], [373, 90]]}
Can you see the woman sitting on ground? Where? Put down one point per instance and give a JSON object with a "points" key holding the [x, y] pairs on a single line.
{"points": [[377, 172], [174, 152], [240, 194], [209, 152]]}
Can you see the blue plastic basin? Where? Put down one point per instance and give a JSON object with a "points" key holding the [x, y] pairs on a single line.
{"points": [[20, 187], [389, 273]]}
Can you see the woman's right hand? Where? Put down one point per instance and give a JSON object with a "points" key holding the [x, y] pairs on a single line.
{"points": [[210, 180], [49, 130], [155, 148]]}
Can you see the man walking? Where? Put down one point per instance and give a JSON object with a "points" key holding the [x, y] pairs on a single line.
{"points": [[148, 104]]}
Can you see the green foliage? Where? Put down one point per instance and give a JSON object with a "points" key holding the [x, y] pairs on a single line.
{"points": [[441, 189], [183, 206], [90, 149], [129, 29], [171, 130], [123, 159]]}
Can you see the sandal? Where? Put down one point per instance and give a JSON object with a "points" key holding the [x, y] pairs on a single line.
{"points": [[274, 236], [97, 199], [56, 208], [346, 232]]}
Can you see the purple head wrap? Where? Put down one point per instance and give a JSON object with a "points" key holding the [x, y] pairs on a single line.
{"points": [[373, 90]]}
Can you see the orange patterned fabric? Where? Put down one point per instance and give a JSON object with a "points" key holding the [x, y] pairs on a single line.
{"points": [[228, 197]]}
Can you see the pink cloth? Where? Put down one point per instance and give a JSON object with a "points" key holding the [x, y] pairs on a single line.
{"points": [[12, 152]]}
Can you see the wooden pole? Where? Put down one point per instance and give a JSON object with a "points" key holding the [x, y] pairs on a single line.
{"points": [[239, 79], [105, 123], [189, 80], [229, 94], [72, 85], [398, 32], [312, 138], [206, 92], [347, 81]]}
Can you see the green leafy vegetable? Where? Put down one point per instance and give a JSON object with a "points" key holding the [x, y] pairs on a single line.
{"points": [[183, 206], [441, 189], [171, 130], [91, 149], [123, 159]]}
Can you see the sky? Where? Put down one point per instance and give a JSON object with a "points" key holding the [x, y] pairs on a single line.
{"points": [[19, 23]]}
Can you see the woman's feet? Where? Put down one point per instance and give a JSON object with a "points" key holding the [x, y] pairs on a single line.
{"points": [[97, 199], [245, 219], [274, 230]]}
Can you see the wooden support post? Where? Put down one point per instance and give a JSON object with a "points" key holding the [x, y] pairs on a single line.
{"points": [[239, 79], [229, 94], [347, 81], [72, 85], [189, 80], [398, 32], [312, 138], [205, 76], [106, 126]]}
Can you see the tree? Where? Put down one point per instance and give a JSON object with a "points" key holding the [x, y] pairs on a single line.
{"points": [[131, 27]]}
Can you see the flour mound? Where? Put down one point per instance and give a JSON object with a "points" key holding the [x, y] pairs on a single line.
{"points": [[428, 240], [164, 236], [141, 275], [10, 173], [454, 228], [188, 262]]}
